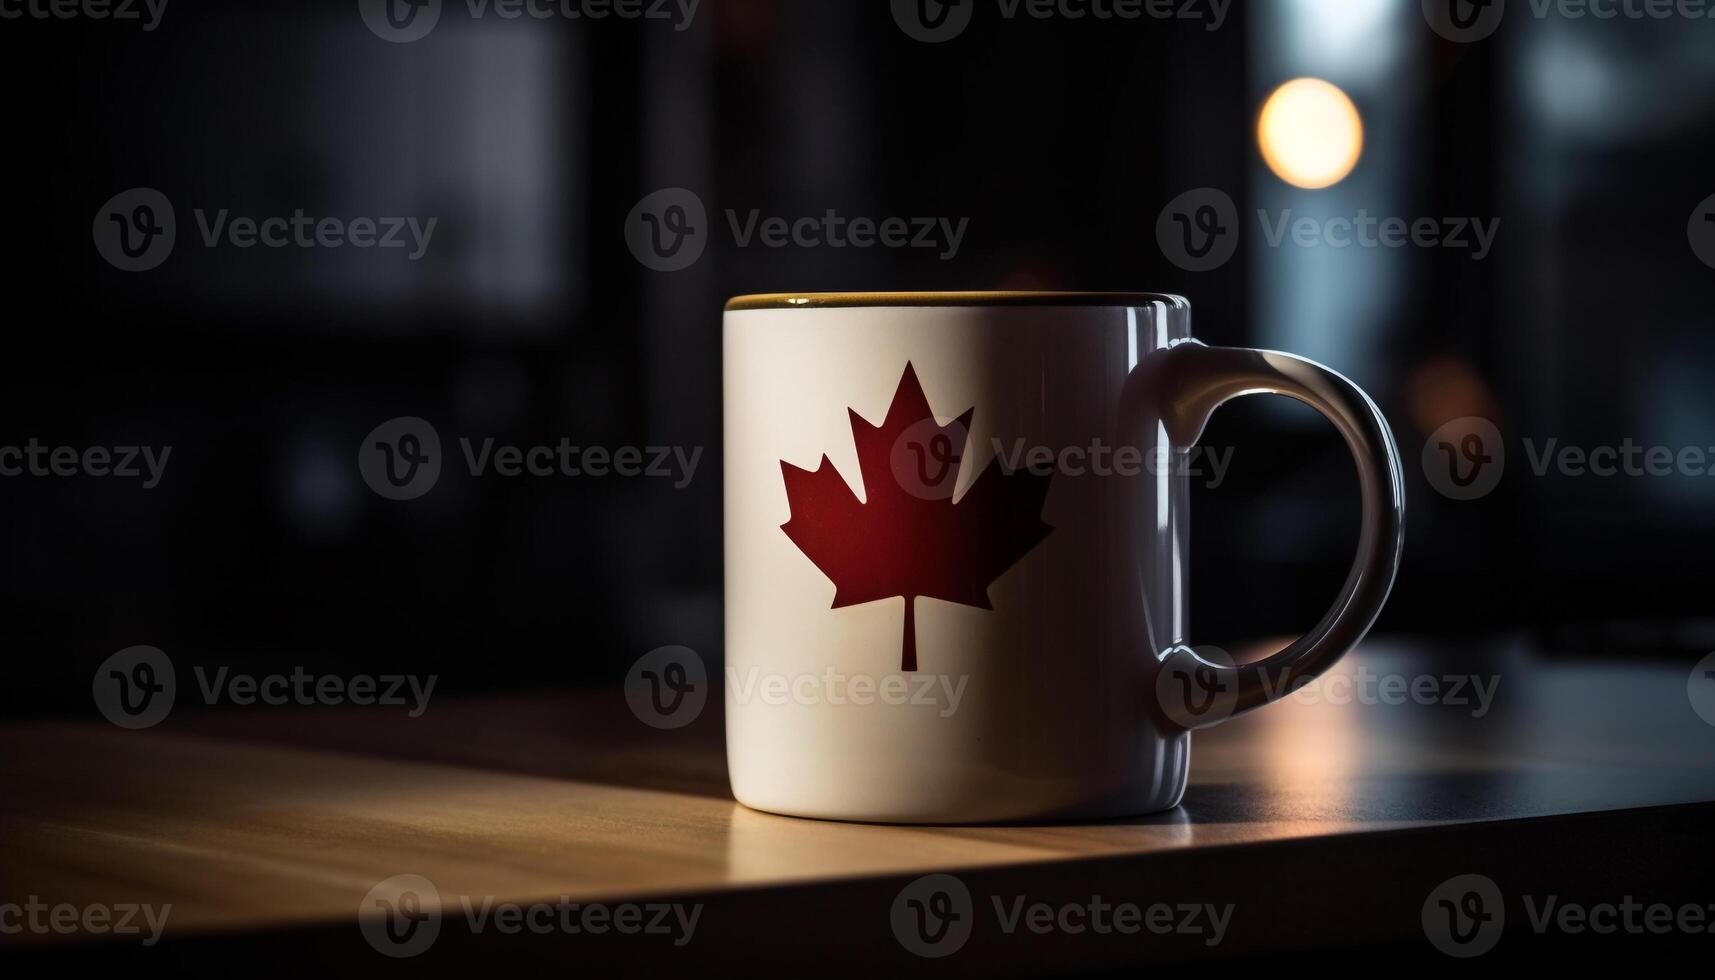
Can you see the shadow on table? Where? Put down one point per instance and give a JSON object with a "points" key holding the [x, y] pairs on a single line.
{"points": [[585, 738]]}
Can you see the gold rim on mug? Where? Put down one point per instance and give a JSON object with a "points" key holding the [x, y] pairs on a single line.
{"points": [[800, 301]]}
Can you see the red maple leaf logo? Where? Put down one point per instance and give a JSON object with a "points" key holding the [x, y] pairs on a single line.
{"points": [[907, 537]]}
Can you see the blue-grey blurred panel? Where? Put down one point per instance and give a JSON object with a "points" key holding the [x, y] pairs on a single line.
{"points": [[1602, 160], [1335, 304], [479, 127]]}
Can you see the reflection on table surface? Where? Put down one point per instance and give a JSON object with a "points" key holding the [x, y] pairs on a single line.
{"points": [[290, 815]]}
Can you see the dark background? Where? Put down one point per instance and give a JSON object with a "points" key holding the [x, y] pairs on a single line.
{"points": [[529, 320]]}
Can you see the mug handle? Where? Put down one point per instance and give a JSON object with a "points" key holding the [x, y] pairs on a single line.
{"points": [[1182, 386]]}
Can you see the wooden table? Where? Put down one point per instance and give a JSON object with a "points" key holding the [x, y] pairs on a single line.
{"points": [[1322, 822]]}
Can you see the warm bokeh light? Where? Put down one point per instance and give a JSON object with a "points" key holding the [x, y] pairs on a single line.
{"points": [[1444, 388], [1310, 133]]}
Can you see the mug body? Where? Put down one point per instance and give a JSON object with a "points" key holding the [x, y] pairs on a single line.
{"points": [[942, 617]]}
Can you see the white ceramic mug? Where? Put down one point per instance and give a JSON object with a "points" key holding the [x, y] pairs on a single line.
{"points": [[942, 606]]}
